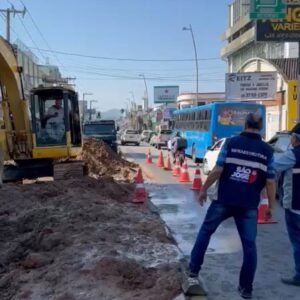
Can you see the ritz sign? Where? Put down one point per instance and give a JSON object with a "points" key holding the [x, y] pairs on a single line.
{"points": [[256, 86]]}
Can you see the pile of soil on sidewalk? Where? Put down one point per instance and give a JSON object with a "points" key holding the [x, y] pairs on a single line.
{"points": [[101, 160], [83, 239]]}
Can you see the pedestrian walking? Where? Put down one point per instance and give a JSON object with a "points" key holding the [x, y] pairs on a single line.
{"points": [[244, 168], [289, 163]]}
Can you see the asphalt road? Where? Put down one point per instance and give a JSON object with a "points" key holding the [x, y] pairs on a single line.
{"points": [[178, 207]]}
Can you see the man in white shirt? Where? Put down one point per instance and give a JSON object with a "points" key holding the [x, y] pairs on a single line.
{"points": [[55, 125], [56, 110]]}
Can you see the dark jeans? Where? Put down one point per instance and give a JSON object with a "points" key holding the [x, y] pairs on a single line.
{"points": [[245, 220], [293, 228]]}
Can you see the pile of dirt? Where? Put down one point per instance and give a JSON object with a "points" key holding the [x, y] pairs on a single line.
{"points": [[83, 239], [101, 160]]}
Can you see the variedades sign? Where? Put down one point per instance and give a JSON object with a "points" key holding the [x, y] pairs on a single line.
{"points": [[286, 30]]}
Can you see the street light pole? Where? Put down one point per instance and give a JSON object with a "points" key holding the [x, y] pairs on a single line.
{"points": [[190, 29], [83, 105], [90, 112], [147, 102]]}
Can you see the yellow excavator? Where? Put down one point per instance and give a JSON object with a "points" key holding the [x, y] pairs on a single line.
{"points": [[36, 133]]}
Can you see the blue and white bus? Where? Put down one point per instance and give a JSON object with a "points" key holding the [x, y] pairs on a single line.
{"points": [[203, 125]]}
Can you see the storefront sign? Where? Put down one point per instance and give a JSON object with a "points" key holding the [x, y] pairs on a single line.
{"points": [[292, 104], [251, 86], [287, 30], [267, 9]]}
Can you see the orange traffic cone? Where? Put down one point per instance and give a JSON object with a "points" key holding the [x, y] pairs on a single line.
{"points": [[261, 210], [160, 161], [167, 165], [148, 158], [139, 176], [176, 169], [140, 194], [184, 176], [197, 182]]}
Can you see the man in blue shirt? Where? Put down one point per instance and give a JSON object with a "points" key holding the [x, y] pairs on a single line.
{"points": [[244, 168], [289, 164]]}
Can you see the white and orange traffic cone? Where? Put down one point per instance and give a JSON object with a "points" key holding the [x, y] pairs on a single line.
{"points": [[148, 158], [167, 165], [261, 218], [160, 160], [140, 194], [184, 176], [176, 169], [139, 176], [197, 182]]}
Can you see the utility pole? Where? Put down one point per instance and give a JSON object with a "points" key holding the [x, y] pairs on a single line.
{"points": [[8, 13]]}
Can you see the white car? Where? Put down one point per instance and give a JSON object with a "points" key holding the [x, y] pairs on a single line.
{"points": [[161, 138], [131, 137], [146, 135], [211, 156]]}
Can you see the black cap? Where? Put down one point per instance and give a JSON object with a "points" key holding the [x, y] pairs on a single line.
{"points": [[254, 121]]}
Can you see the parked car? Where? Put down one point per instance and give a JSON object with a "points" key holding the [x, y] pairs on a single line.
{"points": [[146, 135], [211, 156], [161, 138], [280, 142], [131, 137]]}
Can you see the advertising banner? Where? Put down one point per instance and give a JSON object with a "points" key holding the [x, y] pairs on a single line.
{"points": [[287, 30], [166, 94], [234, 115], [255, 86]]}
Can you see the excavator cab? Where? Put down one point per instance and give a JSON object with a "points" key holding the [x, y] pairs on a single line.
{"points": [[56, 131]]}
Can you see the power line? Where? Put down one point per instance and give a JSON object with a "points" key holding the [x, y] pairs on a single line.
{"points": [[42, 36], [95, 67], [151, 79], [172, 75], [123, 59], [29, 35], [12, 29], [130, 77]]}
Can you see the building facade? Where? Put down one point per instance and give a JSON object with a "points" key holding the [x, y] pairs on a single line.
{"points": [[34, 73], [244, 54]]}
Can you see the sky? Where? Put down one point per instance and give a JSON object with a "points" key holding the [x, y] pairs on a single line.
{"points": [[126, 29]]}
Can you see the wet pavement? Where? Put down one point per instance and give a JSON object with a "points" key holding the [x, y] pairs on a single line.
{"points": [[178, 207]]}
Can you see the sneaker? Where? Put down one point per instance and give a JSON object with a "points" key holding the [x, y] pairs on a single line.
{"points": [[192, 287], [290, 281], [244, 294]]}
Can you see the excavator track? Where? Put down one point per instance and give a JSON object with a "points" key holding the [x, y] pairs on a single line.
{"points": [[67, 170]]}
